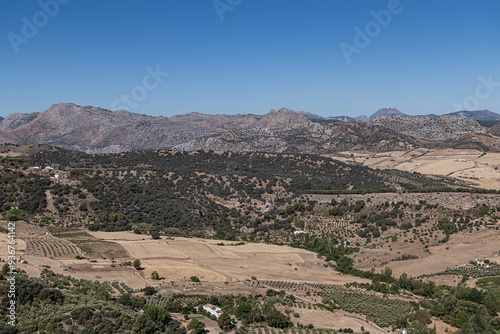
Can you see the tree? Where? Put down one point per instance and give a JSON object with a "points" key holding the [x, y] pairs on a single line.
{"points": [[155, 276], [224, 322], [83, 207], [196, 326], [419, 328], [195, 279], [149, 291], [461, 318], [277, 319], [159, 315], [336, 211], [174, 327], [81, 315], [5, 269], [144, 325], [137, 264], [423, 316], [155, 235], [245, 313]]}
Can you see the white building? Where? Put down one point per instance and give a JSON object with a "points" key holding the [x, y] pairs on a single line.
{"points": [[213, 310]]}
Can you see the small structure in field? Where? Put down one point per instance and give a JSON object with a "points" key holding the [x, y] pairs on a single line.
{"points": [[213, 310]]}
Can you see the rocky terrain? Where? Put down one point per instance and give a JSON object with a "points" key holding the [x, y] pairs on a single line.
{"points": [[325, 139], [442, 128], [97, 130]]}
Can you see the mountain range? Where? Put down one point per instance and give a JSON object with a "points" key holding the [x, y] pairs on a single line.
{"points": [[478, 115], [97, 130]]}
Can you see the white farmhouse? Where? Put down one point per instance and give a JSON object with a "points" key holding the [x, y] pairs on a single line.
{"points": [[213, 310]]}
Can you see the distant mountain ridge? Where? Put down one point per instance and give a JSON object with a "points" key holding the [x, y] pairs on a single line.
{"points": [[478, 115], [97, 130]]}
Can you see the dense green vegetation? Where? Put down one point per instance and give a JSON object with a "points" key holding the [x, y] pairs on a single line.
{"points": [[60, 304], [26, 192], [178, 189], [492, 284], [383, 312]]}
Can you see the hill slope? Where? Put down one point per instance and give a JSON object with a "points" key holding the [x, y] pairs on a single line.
{"points": [[442, 128]]}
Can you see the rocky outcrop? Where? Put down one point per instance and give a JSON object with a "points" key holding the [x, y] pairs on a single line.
{"points": [[16, 120], [442, 128]]}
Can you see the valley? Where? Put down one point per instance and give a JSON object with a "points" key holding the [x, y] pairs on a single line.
{"points": [[350, 241]]}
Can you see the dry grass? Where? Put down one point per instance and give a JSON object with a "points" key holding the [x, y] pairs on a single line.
{"points": [[478, 168], [460, 249], [181, 258]]}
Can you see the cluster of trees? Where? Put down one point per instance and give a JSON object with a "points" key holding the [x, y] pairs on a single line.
{"points": [[471, 310], [59, 304], [251, 173], [383, 312], [157, 188], [23, 191]]}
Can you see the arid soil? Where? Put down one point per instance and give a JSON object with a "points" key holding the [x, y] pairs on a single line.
{"points": [[481, 169]]}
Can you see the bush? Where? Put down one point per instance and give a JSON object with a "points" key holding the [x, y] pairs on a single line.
{"points": [[196, 326], [224, 322], [149, 291], [14, 215], [195, 279]]}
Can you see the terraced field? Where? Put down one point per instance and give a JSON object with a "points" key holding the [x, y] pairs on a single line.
{"points": [[49, 246]]}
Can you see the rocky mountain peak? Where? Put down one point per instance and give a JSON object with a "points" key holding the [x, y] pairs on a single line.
{"points": [[387, 112], [284, 118]]}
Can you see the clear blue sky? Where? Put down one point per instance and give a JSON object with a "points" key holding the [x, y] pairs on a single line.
{"points": [[264, 54]]}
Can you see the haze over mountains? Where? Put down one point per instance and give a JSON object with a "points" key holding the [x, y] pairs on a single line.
{"points": [[97, 130]]}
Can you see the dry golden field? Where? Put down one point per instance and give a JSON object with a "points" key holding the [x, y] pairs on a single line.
{"points": [[175, 259], [459, 250], [481, 169]]}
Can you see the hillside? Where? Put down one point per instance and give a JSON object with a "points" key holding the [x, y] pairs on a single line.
{"points": [[349, 232], [326, 139], [478, 115], [215, 184], [442, 128]]}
